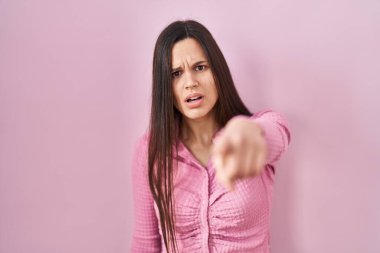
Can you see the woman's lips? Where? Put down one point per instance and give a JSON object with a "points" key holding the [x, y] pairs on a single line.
{"points": [[194, 101], [192, 96]]}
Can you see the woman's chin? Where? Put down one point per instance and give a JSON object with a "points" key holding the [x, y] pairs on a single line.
{"points": [[196, 115]]}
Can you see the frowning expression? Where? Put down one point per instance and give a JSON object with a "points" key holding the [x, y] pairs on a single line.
{"points": [[193, 83]]}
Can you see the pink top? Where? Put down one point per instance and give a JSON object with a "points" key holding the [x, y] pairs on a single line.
{"points": [[209, 218]]}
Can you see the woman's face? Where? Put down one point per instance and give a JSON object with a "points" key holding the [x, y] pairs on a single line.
{"points": [[193, 83]]}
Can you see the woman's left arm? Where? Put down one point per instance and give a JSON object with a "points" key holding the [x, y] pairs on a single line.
{"points": [[247, 144], [276, 134]]}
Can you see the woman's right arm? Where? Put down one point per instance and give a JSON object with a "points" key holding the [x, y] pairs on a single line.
{"points": [[146, 237]]}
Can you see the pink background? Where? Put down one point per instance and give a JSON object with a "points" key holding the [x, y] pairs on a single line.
{"points": [[75, 82]]}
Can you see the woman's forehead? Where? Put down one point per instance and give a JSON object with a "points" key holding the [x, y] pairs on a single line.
{"points": [[187, 51]]}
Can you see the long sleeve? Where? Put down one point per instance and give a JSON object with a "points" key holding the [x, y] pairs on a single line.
{"points": [[277, 133], [146, 237]]}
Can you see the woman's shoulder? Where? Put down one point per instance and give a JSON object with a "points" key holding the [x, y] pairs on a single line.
{"points": [[270, 114], [141, 142], [266, 112]]}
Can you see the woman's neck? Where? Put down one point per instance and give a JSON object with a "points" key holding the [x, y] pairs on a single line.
{"points": [[199, 131]]}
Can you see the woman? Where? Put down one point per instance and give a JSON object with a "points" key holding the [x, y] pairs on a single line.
{"points": [[203, 173]]}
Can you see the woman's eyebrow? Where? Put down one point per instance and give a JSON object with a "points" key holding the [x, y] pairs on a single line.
{"points": [[198, 62]]}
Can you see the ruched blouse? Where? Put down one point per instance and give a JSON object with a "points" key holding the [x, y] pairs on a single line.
{"points": [[209, 218]]}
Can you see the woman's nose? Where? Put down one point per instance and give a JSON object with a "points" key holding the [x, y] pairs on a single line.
{"points": [[190, 82], [192, 85]]}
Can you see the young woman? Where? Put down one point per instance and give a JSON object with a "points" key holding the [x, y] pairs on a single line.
{"points": [[203, 173]]}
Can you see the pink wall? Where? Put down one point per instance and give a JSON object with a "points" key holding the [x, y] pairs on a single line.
{"points": [[74, 95]]}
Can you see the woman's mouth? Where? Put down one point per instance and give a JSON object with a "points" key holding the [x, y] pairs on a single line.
{"points": [[194, 100], [190, 100]]}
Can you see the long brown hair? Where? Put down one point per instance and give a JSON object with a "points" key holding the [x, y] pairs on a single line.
{"points": [[164, 118]]}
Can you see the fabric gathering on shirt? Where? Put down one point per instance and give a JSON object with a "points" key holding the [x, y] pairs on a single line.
{"points": [[209, 218]]}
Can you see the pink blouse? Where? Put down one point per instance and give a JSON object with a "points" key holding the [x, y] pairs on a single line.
{"points": [[209, 218]]}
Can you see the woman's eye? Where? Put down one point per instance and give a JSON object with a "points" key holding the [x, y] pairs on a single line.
{"points": [[202, 67], [178, 73], [175, 74]]}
